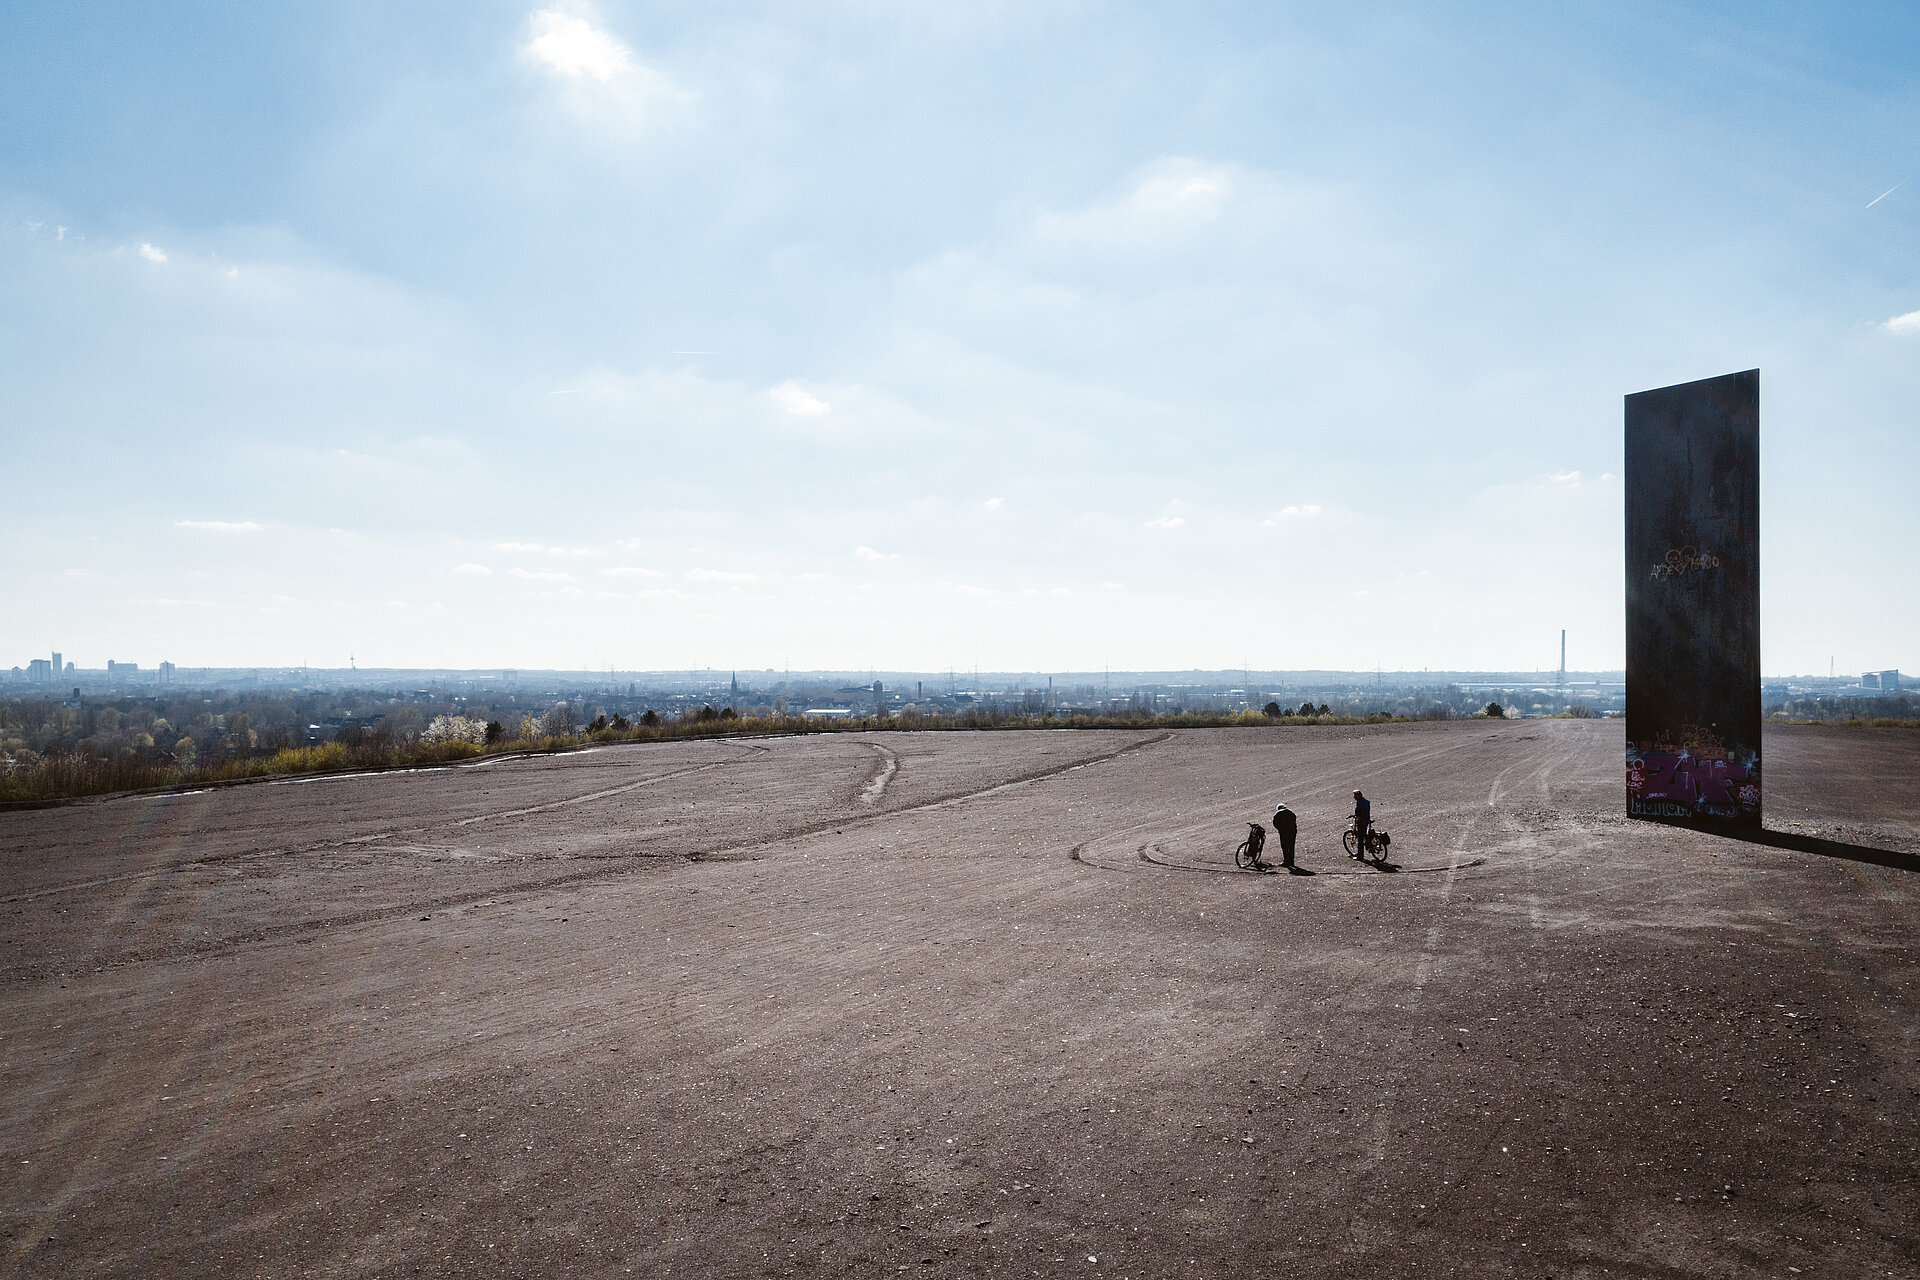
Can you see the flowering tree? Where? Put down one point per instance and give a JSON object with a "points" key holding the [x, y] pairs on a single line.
{"points": [[454, 729]]}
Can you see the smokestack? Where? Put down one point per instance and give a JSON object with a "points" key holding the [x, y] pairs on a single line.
{"points": [[1563, 655]]}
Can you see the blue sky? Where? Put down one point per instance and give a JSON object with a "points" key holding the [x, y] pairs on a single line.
{"points": [[909, 335]]}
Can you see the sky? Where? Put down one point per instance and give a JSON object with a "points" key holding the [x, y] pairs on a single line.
{"points": [[905, 336]]}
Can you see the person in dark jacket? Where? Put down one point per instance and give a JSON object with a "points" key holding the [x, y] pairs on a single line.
{"points": [[1362, 821], [1286, 826]]}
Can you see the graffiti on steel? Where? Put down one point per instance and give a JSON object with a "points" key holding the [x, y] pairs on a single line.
{"points": [[1682, 561]]}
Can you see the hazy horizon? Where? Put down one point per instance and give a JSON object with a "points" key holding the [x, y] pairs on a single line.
{"points": [[143, 677], [1023, 337]]}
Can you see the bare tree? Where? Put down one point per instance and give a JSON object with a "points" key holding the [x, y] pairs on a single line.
{"points": [[559, 721]]}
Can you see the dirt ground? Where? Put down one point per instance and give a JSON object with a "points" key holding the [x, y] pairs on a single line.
{"points": [[968, 1003]]}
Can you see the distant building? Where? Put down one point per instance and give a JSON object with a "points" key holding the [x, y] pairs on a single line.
{"points": [[57, 667], [115, 670], [166, 672], [39, 672], [1885, 681]]}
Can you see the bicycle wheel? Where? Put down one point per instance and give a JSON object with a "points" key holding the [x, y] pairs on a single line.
{"points": [[1243, 856], [1348, 841]]}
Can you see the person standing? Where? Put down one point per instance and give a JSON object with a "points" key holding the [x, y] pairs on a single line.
{"points": [[1286, 826], [1362, 820]]}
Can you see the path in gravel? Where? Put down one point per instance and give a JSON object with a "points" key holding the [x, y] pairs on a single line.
{"points": [[967, 1003]]}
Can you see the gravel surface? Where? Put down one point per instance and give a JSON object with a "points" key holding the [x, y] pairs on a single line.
{"points": [[969, 1003]]}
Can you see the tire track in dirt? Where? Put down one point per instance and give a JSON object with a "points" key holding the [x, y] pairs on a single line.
{"points": [[636, 862], [212, 860], [1400, 1044], [1394, 869], [220, 859], [1386, 763], [1520, 839], [888, 765], [572, 800]]}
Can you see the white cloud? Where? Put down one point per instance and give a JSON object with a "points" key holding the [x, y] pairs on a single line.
{"points": [[993, 504], [1183, 189], [868, 553], [543, 575], [789, 396], [1304, 511], [1168, 200], [599, 80], [152, 254], [630, 571], [470, 567], [575, 48], [220, 526], [1166, 522], [1904, 325], [720, 575], [1564, 477]]}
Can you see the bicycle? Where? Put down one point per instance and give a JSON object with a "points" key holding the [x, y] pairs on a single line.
{"points": [[1247, 856], [1375, 846]]}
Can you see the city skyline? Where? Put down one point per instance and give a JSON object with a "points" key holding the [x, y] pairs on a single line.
{"points": [[136, 675]]}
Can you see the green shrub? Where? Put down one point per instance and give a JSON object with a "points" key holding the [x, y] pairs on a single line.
{"points": [[331, 755]]}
